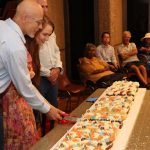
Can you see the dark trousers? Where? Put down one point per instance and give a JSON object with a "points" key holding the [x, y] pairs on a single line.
{"points": [[109, 79], [50, 92]]}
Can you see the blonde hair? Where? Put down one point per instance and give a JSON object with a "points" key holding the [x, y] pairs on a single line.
{"points": [[126, 33]]}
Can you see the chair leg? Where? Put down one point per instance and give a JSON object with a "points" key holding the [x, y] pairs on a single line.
{"points": [[78, 100], [66, 109], [68, 104]]}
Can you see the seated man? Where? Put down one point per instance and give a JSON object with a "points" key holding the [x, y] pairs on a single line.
{"points": [[97, 70], [128, 53], [145, 50], [106, 52]]}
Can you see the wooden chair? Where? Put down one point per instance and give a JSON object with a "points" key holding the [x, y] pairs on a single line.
{"points": [[69, 90]]}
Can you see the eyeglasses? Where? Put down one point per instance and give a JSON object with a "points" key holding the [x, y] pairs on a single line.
{"points": [[38, 21], [45, 6]]}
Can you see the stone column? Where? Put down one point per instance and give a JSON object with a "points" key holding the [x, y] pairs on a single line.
{"points": [[111, 19]]}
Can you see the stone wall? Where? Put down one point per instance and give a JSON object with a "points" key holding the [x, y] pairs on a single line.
{"points": [[111, 19], [116, 21], [56, 13]]}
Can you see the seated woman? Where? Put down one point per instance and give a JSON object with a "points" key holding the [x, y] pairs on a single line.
{"points": [[128, 53], [97, 70], [145, 50]]}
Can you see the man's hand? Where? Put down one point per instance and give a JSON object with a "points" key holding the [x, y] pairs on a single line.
{"points": [[116, 65], [124, 55], [112, 68], [54, 75], [55, 114]]}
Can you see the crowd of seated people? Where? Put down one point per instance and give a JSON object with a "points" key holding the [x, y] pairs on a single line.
{"points": [[100, 63]]}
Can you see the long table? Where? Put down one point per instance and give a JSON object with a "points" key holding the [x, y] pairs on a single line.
{"points": [[139, 139]]}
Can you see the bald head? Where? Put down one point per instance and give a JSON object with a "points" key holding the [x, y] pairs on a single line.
{"points": [[126, 37], [126, 34], [29, 17], [28, 7]]}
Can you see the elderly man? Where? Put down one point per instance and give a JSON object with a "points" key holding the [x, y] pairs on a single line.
{"points": [[128, 53], [51, 68], [17, 93]]}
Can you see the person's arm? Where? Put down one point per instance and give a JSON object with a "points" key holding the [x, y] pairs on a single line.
{"points": [[16, 65], [104, 63], [126, 55], [114, 59], [120, 50], [57, 59], [44, 71], [89, 69], [134, 50], [86, 67], [100, 70], [98, 53], [144, 49], [19, 74]]}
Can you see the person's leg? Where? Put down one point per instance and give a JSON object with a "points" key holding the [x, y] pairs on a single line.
{"points": [[109, 79], [50, 92], [43, 88], [104, 81], [116, 77], [138, 73], [143, 72], [52, 98]]}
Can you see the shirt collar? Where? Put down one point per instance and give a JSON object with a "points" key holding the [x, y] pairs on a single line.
{"points": [[15, 27], [125, 45], [105, 46]]}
